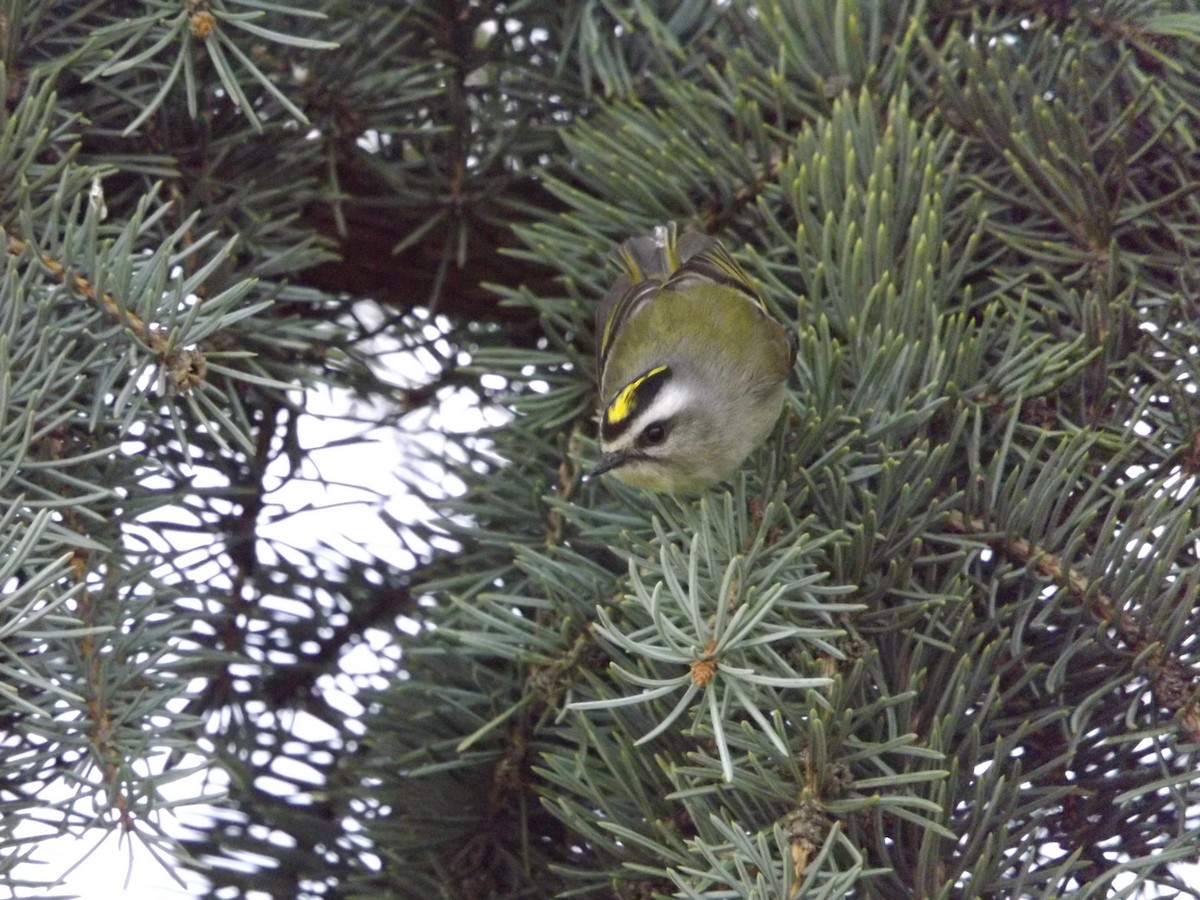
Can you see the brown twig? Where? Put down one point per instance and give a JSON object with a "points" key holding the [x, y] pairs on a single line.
{"points": [[185, 366], [1174, 685]]}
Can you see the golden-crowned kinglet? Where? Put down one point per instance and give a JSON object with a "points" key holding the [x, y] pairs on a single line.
{"points": [[692, 368]]}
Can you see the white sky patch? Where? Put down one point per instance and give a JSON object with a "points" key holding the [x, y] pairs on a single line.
{"points": [[353, 472]]}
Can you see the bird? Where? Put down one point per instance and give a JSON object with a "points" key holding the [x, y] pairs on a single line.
{"points": [[692, 368]]}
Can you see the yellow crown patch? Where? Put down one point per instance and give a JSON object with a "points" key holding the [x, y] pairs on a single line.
{"points": [[625, 403]]}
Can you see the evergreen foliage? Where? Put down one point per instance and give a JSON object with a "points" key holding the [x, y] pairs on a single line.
{"points": [[938, 640]]}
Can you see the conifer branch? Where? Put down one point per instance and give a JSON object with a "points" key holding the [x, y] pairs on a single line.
{"points": [[1174, 685], [185, 366]]}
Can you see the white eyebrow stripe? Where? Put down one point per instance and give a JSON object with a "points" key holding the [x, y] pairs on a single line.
{"points": [[670, 400]]}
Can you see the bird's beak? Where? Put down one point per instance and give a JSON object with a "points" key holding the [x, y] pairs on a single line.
{"points": [[608, 462]]}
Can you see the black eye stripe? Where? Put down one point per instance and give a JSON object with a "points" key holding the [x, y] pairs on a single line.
{"points": [[630, 400]]}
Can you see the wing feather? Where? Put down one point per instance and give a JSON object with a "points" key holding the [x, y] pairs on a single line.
{"points": [[663, 261]]}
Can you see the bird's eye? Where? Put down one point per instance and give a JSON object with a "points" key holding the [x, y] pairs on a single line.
{"points": [[655, 433]]}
